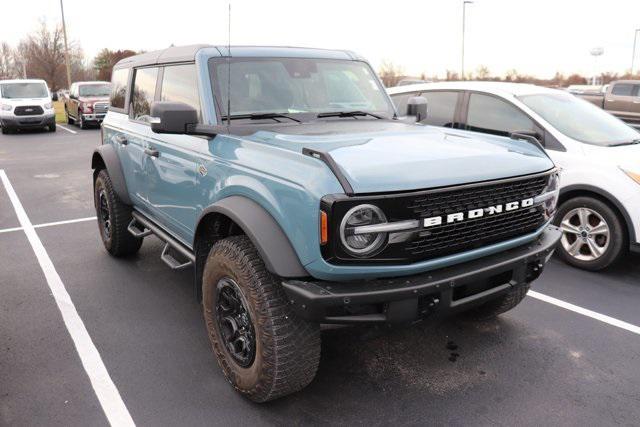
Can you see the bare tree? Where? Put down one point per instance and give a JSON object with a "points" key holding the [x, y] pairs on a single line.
{"points": [[43, 54], [390, 74], [9, 66], [452, 76], [482, 73]]}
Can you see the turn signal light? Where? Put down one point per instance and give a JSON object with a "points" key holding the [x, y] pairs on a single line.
{"points": [[324, 228]]}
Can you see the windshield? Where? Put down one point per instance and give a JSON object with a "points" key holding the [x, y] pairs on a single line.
{"points": [[95, 90], [24, 90], [579, 119], [295, 85]]}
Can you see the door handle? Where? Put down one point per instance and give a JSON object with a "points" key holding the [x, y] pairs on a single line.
{"points": [[120, 139], [151, 152], [611, 100]]}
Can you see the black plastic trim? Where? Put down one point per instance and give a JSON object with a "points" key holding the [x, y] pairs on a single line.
{"points": [[265, 233], [333, 166], [317, 300], [109, 157]]}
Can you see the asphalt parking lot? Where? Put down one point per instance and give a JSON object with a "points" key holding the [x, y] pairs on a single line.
{"points": [[545, 363]]}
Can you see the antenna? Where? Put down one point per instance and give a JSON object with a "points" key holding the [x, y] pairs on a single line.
{"points": [[229, 73]]}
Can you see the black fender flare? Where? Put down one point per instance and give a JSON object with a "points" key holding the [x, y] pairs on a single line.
{"points": [[264, 232], [605, 195], [107, 155]]}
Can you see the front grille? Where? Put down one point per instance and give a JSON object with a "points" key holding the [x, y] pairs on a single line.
{"points": [[100, 107], [447, 238], [472, 233], [28, 110]]}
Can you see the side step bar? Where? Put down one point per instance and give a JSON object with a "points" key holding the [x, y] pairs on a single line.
{"points": [[141, 227]]}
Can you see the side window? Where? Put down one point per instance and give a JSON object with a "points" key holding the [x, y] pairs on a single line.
{"points": [[636, 90], [492, 115], [119, 87], [180, 84], [441, 108], [622, 89], [400, 100], [144, 90]]}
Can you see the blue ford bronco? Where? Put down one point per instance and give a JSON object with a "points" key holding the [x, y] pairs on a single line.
{"points": [[285, 179]]}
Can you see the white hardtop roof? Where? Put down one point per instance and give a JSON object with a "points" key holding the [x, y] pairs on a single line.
{"points": [[496, 88]]}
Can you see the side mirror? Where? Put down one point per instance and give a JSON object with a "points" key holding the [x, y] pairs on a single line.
{"points": [[54, 96], [172, 117], [417, 107]]}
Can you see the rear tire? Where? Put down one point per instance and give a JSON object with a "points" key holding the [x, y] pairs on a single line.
{"points": [[113, 218], [502, 304], [264, 349], [612, 244]]}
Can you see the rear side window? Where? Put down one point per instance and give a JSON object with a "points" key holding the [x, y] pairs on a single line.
{"points": [[622, 89], [118, 87], [144, 90], [441, 108], [180, 84], [492, 115]]}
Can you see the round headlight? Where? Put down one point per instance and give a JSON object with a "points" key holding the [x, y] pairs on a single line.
{"points": [[353, 239]]}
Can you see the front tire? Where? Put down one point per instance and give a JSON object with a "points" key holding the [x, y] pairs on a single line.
{"points": [[264, 349], [113, 218], [81, 123], [593, 234], [69, 119], [51, 128]]}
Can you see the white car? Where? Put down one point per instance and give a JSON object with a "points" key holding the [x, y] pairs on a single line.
{"points": [[599, 208], [26, 104]]}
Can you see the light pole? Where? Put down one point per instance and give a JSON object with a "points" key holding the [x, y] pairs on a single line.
{"points": [[464, 13], [595, 52], [633, 55], [66, 47]]}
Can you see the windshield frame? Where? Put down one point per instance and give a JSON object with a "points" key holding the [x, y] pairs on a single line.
{"points": [[302, 116], [610, 143], [47, 94], [107, 85]]}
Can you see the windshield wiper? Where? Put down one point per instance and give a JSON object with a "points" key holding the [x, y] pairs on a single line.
{"points": [[348, 114], [632, 142], [260, 116]]}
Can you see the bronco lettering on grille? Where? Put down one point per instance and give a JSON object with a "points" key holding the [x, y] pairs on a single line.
{"points": [[477, 213]]}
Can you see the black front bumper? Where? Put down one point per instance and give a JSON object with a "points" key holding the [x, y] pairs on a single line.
{"points": [[409, 298], [27, 122]]}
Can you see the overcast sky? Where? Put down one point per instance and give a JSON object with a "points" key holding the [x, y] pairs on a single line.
{"points": [[537, 37]]}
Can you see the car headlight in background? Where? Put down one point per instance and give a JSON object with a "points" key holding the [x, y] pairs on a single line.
{"points": [[633, 175], [48, 106], [549, 197], [5, 107], [358, 233]]}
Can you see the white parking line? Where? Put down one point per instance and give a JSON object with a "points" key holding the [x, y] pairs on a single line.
{"points": [[106, 391], [68, 130], [586, 312], [51, 224]]}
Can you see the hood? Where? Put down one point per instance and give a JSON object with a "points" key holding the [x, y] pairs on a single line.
{"points": [[625, 156], [92, 98], [385, 156]]}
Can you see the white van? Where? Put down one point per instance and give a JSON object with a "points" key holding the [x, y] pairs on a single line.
{"points": [[26, 104]]}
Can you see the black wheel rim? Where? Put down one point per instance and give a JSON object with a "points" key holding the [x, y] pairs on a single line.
{"points": [[234, 322], [105, 217]]}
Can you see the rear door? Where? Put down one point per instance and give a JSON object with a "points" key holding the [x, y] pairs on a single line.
{"points": [[172, 171]]}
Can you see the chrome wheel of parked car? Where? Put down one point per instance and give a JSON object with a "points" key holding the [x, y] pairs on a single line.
{"points": [[585, 234], [234, 322]]}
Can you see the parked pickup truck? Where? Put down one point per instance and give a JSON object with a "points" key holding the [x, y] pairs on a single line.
{"points": [[87, 103], [621, 98], [284, 179]]}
